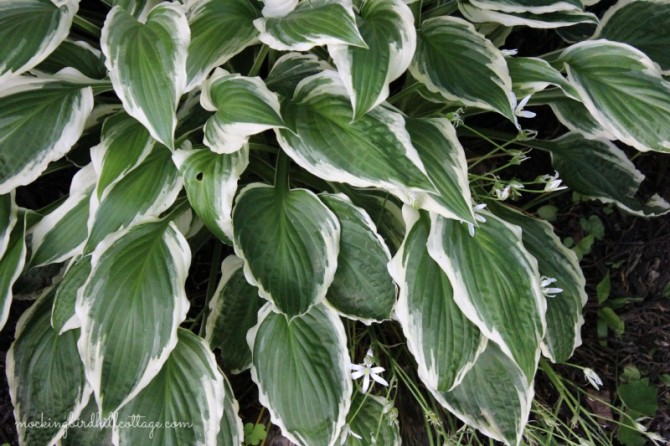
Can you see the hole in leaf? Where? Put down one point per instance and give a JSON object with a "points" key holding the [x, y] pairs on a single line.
{"points": [[199, 176]]}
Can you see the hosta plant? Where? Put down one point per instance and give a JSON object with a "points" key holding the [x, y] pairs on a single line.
{"points": [[351, 162]]}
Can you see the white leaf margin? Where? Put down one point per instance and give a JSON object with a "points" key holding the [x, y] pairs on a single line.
{"points": [[90, 351], [340, 341], [398, 271], [70, 134]]}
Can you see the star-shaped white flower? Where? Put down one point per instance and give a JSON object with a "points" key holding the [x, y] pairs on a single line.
{"points": [[478, 217], [546, 289], [366, 371], [552, 183], [520, 112], [593, 378]]}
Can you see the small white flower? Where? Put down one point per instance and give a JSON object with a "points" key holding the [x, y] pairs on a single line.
{"points": [[546, 289], [655, 438], [455, 117], [593, 378], [366, 371], [504, 193], [518, 157], [520, 112], [512, 52], [346, 432], [478, 217], [552, 182]]}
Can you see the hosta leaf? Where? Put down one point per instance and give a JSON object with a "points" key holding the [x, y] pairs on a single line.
{"points": [[373, 151], [63, 315], [385, 212], [370, 419], [147, 65], [12, 261], [124, 144], [494, 397], [290, 69], [599, 169], [231, 431], [301, 368], [440, 151], [8, 218], [233, 310], [496, 284], [89, 428], [219, 30], [289, 241], [531, 74], [443, 341], [548, 20], [623, 90], [142, 271], [137, 8], [244, 106], [564, 310], [576, 117], [460, 64], [645, 24], [185, 399], [46, 379], [533, 6], [387, 27], [61, 234], [147, 190], [40, 121], [313, 23], [30, 30], [210, 180], [76, 54], [278, 8], [362, 288]]}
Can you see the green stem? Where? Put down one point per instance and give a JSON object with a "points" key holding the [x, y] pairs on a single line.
{"points": [[258, 63], [282, 173], [87, 26]]}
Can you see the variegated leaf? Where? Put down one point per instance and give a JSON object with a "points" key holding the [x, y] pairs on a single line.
{"points": [[46, 379], [63, 315], [289, 241], [532, 74], [455, 61], [443, 341], [443, 156], [231, 431], [190, 390], [61, 234], [147, 64], [233, 310], [78, 55], [496, 284], [387, 27], [244, 106], [12, 261], [564, 310], [644, 24], [313, 23], [278, 8], [548, 20], [8, 217], [290, 69], [373, 151], [219, 30], [147, 190], [141, 270], [124, 144], [30, 30], [210, 180], [576, 117], [532, 6], [494, 397], [40, 121], [362, 288], [623, 90], [599, 169], [301, 368]]}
